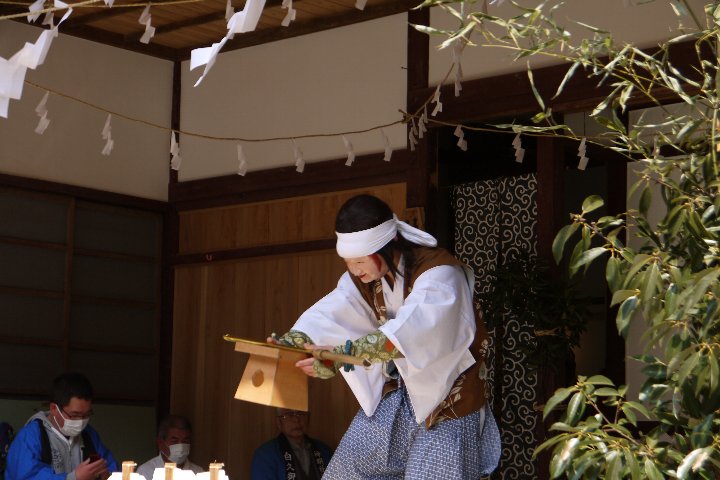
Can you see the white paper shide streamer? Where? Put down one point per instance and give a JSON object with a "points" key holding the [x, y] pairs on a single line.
{"points": [[462, 143], [519, 150], [107, 136], [412, 133], [41, 111], [240, 22], [176, 159], [30, 56], [386, 144], [242, 161], [360, 4], [422, 122], [457, 48], [299, 162], [290, 16], [34, 9], [582, 164], [145, 19], [49, 20], [349, 150], [229, 10], [437, 102]]}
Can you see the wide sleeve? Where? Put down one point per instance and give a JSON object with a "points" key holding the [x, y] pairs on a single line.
{"points": [[24, 460], [433, 330], [343, 315], [339, 316]]}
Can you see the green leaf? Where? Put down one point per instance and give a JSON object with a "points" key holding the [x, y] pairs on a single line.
{"points": [[614, 468], [657, 371], [566, 78], [702, 435], [645, 200], [576, 408], [538, 98], [652, 471], [606, 392], [566, 455], [638, 263], [587, 257], [599, 380], [558, 397], [639, 407], [621, 295], [561, 238], [591, 203], [612, 273], [625, 314], [633, 465], [652, 285]]}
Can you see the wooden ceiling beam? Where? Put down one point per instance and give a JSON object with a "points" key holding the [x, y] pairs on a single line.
{"points": [[117, 40], [297, 29], [196, 21], [105, 13]]}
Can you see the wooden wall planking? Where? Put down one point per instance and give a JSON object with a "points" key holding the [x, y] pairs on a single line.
{"points": [[288, 220], [251, 298]]}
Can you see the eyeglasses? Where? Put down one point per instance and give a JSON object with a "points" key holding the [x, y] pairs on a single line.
{"points": [[68, 416], [298, 415]]}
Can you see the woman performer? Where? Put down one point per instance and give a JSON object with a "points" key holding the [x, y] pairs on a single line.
{"points": [[407, 307]]}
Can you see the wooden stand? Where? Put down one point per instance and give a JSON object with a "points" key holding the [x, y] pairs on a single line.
{"points": [[215, 470], [128, 467], [169, 469], [271, 377]]}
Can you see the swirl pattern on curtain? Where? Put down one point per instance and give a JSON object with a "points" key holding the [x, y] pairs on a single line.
{"points": [[496, 219]]}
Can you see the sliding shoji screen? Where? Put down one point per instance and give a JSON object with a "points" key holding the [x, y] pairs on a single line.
{"points": [[80, 291]]}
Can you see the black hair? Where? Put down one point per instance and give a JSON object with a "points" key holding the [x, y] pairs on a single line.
{"points": [[362, 212], [173, 421], [69, 385]]}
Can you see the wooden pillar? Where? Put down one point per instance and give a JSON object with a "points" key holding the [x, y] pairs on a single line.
{"points": [[170, 239], [423, 158], [616, 205], [550, 197]]}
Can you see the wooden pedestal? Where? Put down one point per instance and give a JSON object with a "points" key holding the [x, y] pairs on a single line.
{"points": [[271, 377]]}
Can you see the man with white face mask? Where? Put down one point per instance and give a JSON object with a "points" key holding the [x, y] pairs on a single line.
{"points": [[59, 444], [173, 441]]}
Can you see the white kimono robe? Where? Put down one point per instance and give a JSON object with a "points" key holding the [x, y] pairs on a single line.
{"points": [[433, 328]]}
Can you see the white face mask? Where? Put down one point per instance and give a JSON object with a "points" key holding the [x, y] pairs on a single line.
{"points": [[72, 428], [179, 453]]}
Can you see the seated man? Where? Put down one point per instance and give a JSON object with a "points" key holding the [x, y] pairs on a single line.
{"points": [[59, 444], [173, 441], [292, 454]]}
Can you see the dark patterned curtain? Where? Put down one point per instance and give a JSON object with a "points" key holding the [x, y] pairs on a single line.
{"points": [[495, 220]]}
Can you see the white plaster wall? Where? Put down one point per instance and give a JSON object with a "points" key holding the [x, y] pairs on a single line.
{"points": [[642, 23], [339, 80], [131, 84]]}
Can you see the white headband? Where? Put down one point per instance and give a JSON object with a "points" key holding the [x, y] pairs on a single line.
{"points": [[367, 242]]}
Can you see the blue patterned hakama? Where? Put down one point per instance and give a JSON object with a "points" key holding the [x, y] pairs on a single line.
{"points": [[390, 445]]}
